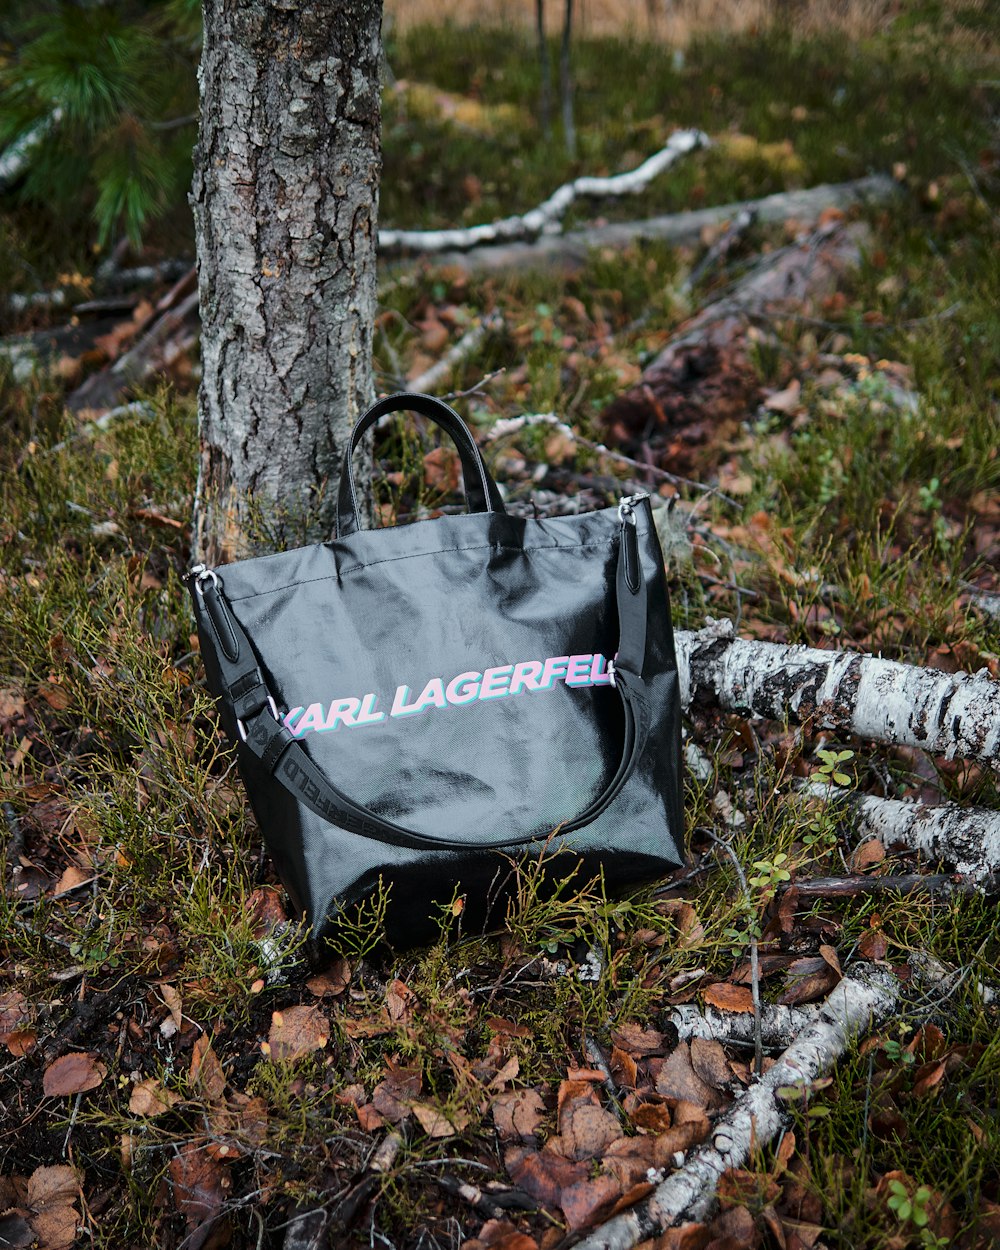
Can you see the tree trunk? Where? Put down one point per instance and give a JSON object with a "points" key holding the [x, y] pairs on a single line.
{"points": [[545, 73], [285, 202], [566, 83]]}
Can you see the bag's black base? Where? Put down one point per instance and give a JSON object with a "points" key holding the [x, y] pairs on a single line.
{"points": [[425, 704]]}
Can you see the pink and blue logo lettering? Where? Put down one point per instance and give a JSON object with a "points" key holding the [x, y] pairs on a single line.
{"points": [[501, 682]]}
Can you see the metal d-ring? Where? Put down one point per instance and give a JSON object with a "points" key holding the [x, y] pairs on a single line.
{"points": [[201, 574]]}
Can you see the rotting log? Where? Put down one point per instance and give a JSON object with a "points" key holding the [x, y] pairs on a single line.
{"points": [[701, 385], [860, 1002], [950, 714]]}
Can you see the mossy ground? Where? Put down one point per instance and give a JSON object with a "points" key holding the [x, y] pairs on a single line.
{"points": [[114, 764]]}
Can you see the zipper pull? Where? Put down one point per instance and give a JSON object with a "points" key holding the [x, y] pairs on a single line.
{"points": [[626, 508]]}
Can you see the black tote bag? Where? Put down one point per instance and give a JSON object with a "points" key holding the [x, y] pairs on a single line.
{"points": [[429, 703]]}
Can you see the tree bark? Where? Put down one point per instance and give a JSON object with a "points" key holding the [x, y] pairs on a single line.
{"points": [[285, 202]]}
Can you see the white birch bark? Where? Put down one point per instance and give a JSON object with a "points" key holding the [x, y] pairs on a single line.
{"points": [[859, 1003], [966, 838], [547, 216], [944, 713], [779, 1025], [16, 158], [285, 201], [571, 250]]}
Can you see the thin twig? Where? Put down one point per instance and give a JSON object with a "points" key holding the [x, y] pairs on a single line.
{"points": [[758, 1045]]}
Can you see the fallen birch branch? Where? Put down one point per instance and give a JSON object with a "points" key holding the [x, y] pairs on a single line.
{"points": [[933, 974], [779, 1025], [507, 426], [944, 713], [860, 1002], [467, 345], [571, 250], [967, 838], [546, 218], [17, 156]]}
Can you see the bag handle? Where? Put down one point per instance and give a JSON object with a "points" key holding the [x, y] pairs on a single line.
{"points": [[480, 490], [261, 731]]}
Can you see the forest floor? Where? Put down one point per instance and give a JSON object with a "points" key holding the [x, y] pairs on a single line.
{"points": [[172, 1072]]}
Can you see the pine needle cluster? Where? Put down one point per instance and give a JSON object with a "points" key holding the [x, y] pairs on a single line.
{"points": [[103, 97]]}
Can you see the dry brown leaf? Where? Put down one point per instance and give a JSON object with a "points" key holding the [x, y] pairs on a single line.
{"points": [[432, 1121], [11, 704], [928, 1077], [866, 855], [728, 997], [623, 1068], [806, 1234], [543, 1176], [585, 1128], [677, 1079], [783, 1155], [172, 999], [73, 1074], [51, 1195], [400, 1001], [829, 955], [21, 1041], [652, 1117], [15, 1013], [518, 1114], [331, 983], [734, 1228], [786, 401], [394, 1096], [206, 1070], [71, 878], [200, 1185], [872, 944], [499, 1025], [55, 1227], [687, 1237], [583, 1202], [370, 1119], [15, 1232], [637, 1040], [807, 979], [506, 1074], [52, 1186], [149, 1098], [500, 1235], [710, 1063], [297, 1031], [441, 469]]}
